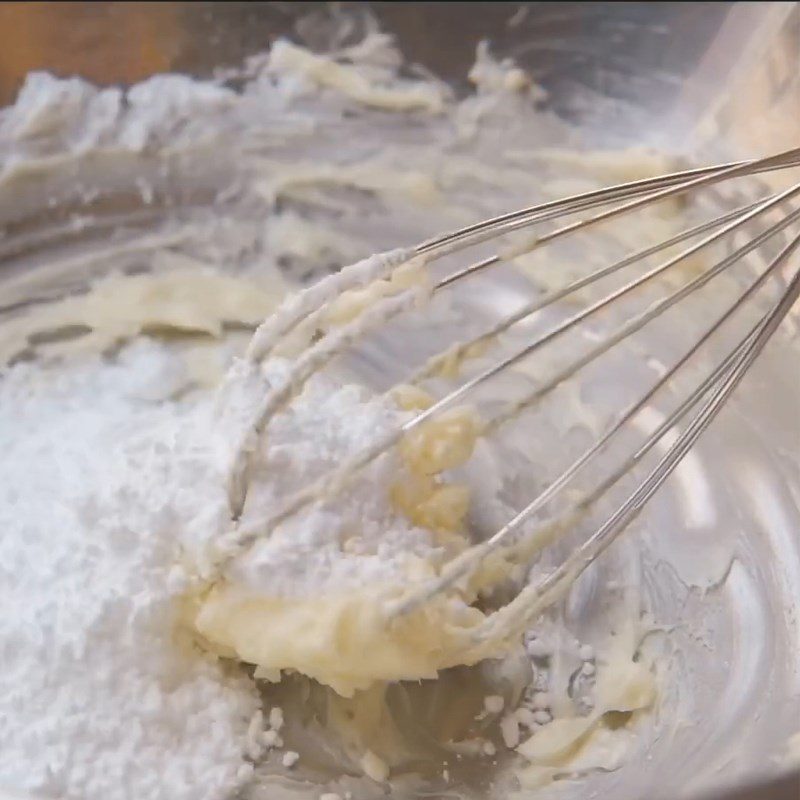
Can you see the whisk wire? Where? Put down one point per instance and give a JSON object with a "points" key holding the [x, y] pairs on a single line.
{"points": [[657, 188], [709, 394], [463, 564], [336, 479], [526, 606]]}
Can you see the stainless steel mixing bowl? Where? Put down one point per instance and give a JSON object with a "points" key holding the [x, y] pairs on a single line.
{"points": [[712, 78]]}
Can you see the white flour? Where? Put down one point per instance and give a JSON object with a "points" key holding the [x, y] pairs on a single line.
{"points": [[99, 698], [351, 541], [101, 695]]}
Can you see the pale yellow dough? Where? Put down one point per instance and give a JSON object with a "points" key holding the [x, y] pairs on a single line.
{"points": [[343, 641]]}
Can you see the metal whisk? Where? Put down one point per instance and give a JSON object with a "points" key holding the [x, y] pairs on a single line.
{"points": [[309, 308]]}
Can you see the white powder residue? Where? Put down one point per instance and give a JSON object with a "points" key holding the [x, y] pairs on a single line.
{"points": [[53, 116], [100, 696], [111, 492], [353, 540]]}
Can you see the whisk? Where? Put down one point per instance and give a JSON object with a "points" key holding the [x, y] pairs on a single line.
{"points": [[394, 274]]}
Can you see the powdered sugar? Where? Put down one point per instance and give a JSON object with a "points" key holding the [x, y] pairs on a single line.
{"points": [[111, 493], [100, 694], [356, 538]]}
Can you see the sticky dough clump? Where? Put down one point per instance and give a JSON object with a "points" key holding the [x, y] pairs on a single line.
{"points": [[311, 595]]}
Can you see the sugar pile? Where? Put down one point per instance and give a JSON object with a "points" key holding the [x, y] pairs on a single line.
{"points": [[99, 696], [110, 492], [355, 539]]}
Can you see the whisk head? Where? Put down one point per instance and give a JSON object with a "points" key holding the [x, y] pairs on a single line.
{"points": [[338, 312]]}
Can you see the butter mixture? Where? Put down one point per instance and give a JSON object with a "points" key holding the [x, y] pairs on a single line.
{"points": [[310, 595]]}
